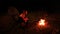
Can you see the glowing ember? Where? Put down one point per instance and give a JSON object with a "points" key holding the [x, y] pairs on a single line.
{"points": [[42, 22]]}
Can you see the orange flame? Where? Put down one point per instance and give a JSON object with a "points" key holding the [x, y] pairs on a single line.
{"points": [[42, 22]]}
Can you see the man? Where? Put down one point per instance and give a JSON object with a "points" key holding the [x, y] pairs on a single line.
{"points": [[23, 20], [8, 20]]}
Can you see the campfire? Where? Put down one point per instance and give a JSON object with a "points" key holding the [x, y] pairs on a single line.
{"points": [[42, 22]]}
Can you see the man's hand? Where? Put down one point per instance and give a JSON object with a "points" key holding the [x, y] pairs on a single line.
{"points": [[25, 19]]}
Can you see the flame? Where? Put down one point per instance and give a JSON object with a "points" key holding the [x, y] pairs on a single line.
{"points": [[42, 22]]}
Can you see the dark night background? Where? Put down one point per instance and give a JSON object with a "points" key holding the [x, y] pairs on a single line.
{"points": [[51, 8]]}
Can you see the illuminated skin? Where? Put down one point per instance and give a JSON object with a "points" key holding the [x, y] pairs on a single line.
{"points": [[23, 15], [41, 22]]}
